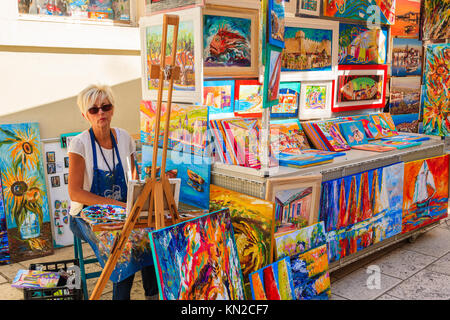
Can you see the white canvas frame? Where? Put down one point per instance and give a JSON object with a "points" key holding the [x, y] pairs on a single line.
{"points": [[315, 24], [305, 114], [307, 12], [195, 15]]}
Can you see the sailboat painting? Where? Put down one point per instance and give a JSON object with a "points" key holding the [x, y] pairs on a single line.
{"points": [[426, 193], [362, 209]]}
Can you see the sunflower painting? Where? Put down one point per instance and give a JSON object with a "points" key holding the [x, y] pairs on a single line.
{"points": [[24, 192]]}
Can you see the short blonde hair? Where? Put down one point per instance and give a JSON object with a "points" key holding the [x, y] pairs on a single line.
{"points": [[89, 95]]}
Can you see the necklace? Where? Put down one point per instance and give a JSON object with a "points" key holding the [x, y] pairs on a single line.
{"points": [[113, 170]]}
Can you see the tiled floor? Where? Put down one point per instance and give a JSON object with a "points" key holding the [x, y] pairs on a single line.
{"points": [[418, 270]]}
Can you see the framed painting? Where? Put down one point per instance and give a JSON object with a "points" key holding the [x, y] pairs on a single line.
{"points": [[360, 87], [218, 95], [24, 192], [309, 7], [435, 97], [425, 192], [272, 76], [153, 7], [287, 136], [296, 201], [404, 95], [194, 172], [273, 282], [276, 23], [288, 101], [248, 97], [290, 7], [407, 19], [230, 42], [408, 122], [189, 45], [316, 99], [185, 253], [253, 223], [361, 44], [406, 57], [435, 20], [362, 10], [300, 57], [187, 126]]}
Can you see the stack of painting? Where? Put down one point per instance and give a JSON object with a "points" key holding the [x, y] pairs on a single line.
{"points": [[362, 209]]}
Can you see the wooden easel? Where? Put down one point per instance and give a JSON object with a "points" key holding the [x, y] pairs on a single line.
{"points": [[155, 189]]}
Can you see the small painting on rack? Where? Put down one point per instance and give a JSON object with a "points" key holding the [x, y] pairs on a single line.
{"points": [[230, 42], [406, 122], [288, 101], [272, 76], [219, 97], [309, 7], [353, 132], [316, 98], [276, 23], [287, 136], [407, 17], [185, 253], [406, 57], [248, 98], [404, 95]]}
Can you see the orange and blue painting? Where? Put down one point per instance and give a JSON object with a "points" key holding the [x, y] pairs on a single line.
{"points": [[273, 282], [362, 209], [426, 192], [198, 259], [436, 19], [24, 192], [365, 10], [253, 223], [436, 95]]}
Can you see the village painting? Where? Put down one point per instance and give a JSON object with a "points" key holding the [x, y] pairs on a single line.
{"points": [[405, 95], [406, 57], [306, 49]]}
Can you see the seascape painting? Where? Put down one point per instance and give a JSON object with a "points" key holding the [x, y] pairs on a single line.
{"points": [[436, 84], [408, 122], [404, 95], [273, 282], [248, 98], [24, 192], [407, 19], [253, 223], [360, 44], [198, 259], [406, 57], [307, 49], [425, 192], [288, 100]]}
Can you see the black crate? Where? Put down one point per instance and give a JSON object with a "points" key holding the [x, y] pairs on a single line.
{"points": [[60, 292]]}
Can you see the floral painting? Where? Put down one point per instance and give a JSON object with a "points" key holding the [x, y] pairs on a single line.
{"points": [[24, 192]]}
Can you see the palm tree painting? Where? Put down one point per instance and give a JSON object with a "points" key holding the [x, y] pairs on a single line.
{"points": [[24, 192]]}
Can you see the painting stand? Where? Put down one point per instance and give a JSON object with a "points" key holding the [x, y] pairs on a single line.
{"points": [[155, 189]]}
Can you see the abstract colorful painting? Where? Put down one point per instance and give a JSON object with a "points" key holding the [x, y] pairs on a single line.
{"points": [[248, 98], [188, 87], [194, 172], [379, 11], [219, 97], [198, 259], [288, 101], [309, 7], [360, 87], [301, 240], [310, 274], [404, 95], [436, 96], [296, 201], [230, 42], [316, 98], [359, 44], [406, 122], [425, 192], [287, 136], [272, 76], [406, 57], [362, 209], [407, 19], [276, 23], [436, 19], [301, 53], [187, 126], [273, 282], [253, 223], [24, 192]]}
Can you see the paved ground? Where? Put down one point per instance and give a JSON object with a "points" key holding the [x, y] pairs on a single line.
{"points": [[418, 270]]}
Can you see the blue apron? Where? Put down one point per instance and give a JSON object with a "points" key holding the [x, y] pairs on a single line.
{"points": [[113, 185]]}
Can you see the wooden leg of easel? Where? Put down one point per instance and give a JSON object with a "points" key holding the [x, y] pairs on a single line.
{"points": [[120, 242], [159, 205], [170, 201]]}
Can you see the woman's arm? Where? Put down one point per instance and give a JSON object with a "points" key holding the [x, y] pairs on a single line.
{"points": [[75, 186]]}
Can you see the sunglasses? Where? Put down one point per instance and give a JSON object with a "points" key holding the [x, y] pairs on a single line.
{"points": [[105, 108]]}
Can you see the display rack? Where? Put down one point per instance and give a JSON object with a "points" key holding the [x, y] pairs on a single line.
{"points": [[250, 182]]}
